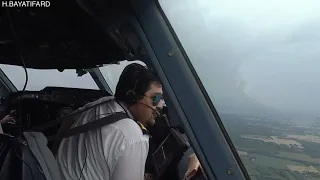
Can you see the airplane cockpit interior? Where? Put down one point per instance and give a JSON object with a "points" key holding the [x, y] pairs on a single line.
{"points": [[56, 59], [68, 36]]}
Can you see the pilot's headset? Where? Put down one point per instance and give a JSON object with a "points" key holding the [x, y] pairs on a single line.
{"points": [[131, 96]]}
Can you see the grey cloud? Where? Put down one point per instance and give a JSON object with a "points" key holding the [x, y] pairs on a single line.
{"points": [[257, 57]]}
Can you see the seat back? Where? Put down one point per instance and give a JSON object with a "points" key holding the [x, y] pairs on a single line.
{"points": [[37, 144], [28, 158], [6, 156], [30, 168]]}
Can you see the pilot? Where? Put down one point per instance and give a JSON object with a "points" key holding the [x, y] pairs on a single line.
{"points": [[117, 151]]}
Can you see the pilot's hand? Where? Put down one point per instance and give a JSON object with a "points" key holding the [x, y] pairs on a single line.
{"points": [[193, 166], [13, 113], [9, 118], [148, 176]]}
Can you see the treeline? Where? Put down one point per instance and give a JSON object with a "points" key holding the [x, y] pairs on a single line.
{"points": [[310, 148], [273, 152], [242, 126]]}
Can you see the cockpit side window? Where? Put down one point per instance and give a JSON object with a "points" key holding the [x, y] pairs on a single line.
{"points": [[259, 64]]}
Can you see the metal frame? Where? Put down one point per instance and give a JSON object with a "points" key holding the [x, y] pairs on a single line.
{"points": [[5, 81], [101, 82], [187, 96]]}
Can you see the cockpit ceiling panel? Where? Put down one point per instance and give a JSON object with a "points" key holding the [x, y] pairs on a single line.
{"points": [[66, 35]]}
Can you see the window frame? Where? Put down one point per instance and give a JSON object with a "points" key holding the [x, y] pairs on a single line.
{"points": [[98, 78], [187, 95], [6, 83]]}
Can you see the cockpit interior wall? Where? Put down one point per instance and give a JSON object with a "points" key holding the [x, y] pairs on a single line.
{"points": [[63, 36]]}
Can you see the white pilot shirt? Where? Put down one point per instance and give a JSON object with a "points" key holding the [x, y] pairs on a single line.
{"points": [[114, 152]]}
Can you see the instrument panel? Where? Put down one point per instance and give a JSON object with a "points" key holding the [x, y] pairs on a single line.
{"points": [[36, 108], [61, 95]]}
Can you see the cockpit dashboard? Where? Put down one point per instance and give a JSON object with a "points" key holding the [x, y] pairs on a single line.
{"points": [[35, 109]]}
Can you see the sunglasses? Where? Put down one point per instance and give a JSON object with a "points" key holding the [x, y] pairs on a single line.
{"points": [[156, 99]]}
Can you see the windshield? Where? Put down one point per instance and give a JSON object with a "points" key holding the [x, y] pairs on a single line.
{"points": [[39, 79], [260, 64]]}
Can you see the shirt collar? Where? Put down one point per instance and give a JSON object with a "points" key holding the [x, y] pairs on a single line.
{"points": [[125, 109], [131, 116]]}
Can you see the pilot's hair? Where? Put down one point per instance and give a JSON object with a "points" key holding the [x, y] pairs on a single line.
{"points": [[134, 78]]}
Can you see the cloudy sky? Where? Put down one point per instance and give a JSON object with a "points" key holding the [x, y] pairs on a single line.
{"points": [[252, 56], [253, 51]]}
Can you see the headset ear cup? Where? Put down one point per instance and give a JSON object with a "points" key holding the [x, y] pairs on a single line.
{"points": [[132, 97], [136, 97]]}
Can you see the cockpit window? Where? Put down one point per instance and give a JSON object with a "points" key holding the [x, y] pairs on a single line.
{"points": [[112, 72], [259, 63], [39, 79]]}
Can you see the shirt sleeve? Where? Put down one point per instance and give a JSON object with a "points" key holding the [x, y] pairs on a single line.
{"points": [[130, 163]]}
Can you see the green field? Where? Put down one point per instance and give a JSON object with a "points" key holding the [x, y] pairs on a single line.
{"points": [[299, 157], [274, 162], [268, 161], [268, 173]]}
